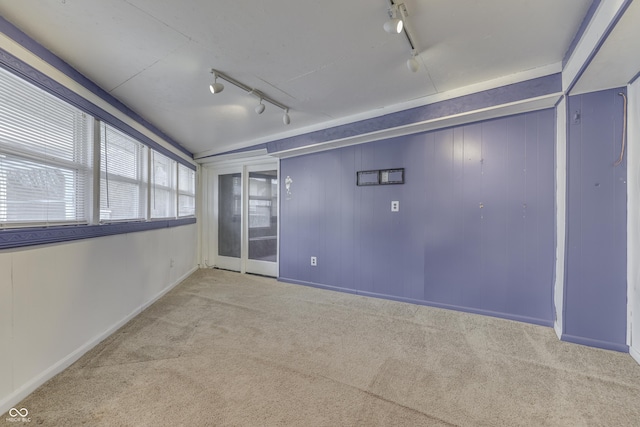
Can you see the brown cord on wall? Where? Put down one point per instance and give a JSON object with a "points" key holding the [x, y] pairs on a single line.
{"points": [[624, 129]]}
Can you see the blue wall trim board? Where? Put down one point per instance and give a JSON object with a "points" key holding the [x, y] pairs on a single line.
{"points": [[595, 343], [30, 74], [510, 93], [320, 286], [21, 237], [475, 229], [595, 307], [422, 302]]}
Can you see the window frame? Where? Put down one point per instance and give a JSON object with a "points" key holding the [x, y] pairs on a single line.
{"points": [[141, 181], [187, 193], [171, 189], [25, 149]]}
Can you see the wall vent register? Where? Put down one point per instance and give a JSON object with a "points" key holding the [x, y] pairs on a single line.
{"points": [[380, 177]]}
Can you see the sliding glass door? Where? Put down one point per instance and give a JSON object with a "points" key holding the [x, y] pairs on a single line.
{"points": [[245, 206]]}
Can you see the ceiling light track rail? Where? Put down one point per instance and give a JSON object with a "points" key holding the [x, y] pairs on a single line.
{"points": [[402, 11], [398, 12], [252, 91]]}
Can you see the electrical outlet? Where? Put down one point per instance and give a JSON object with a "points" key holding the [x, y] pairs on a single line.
{"points": [[395, 206], [314, 261]]}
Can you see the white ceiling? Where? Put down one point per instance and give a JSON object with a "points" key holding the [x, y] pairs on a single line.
{"points": [[326, 60]]}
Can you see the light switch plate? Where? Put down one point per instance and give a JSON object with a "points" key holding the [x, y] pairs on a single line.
{"points": [[395, 206]]}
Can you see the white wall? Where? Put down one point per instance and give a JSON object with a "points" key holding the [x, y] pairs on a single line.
{"points": [[633, 219], [58, 301]]}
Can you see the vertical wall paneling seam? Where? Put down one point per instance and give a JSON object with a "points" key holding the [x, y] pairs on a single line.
{"points": [[598, 45], [506, 160], [537, 198]]}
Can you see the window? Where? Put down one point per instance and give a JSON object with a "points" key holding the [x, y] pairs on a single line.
{"points": [[123, 176], [186, 191], [163, 186], [45, 157], [48, 149]]}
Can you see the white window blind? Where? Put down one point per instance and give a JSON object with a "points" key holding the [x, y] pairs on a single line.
{"points": [[123, 176], [163, 186], [45, 157], [186, 191]]}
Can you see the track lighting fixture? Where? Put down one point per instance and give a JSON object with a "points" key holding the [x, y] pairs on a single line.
{"points": [[260, 107], [412, 64], [393, 26], [399, 23], [218, 87]]}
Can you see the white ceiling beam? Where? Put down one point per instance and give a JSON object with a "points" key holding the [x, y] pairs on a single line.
{"points": [[508, 109], [596, 32]]}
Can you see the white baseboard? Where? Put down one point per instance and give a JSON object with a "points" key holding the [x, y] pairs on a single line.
{"points": [[635, 353], [26, 389]]}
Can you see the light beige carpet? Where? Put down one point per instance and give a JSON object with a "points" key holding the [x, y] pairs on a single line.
{"points": [[236, 350]]}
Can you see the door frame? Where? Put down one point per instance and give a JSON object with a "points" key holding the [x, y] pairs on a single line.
{"points": [[225, 262], [209, 227]]}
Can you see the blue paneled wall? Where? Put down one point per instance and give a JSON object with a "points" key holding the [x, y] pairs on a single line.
{"points": [[475, 229], [596, 269]]}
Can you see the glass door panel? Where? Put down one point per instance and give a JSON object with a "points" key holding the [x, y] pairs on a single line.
{"points": [[262, 219], [229, 219], [263, 215]]}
